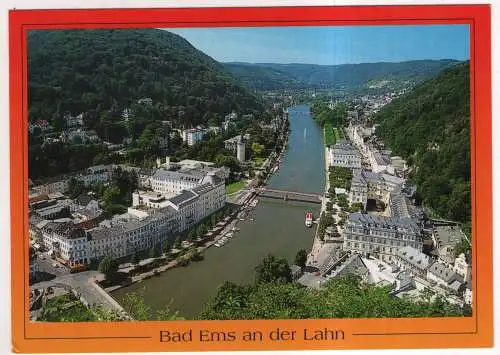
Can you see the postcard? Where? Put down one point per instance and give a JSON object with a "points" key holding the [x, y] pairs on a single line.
{"points": [[251, 178]]}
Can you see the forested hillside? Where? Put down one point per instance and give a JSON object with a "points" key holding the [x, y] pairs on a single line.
{"points": [[290, 76], [97, 71], [263, 78], [430, 126]]}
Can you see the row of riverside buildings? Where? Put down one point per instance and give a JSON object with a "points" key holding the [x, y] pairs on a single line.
{"points": [[401, 236], [169, 202]]}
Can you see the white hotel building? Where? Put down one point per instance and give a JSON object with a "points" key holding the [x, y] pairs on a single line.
{"points": [[151, 220]]}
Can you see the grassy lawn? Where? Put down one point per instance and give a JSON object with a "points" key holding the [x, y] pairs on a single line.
{"points": [[329, 135], [235, 186], [338, 134]]}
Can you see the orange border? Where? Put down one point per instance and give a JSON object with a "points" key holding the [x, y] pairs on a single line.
{"points": [[476, 331]]}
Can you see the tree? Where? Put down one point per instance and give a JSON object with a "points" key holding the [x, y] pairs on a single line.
{"points": [[340, 297], [191, 235], [108, 266], [201, 230], [301, 258], [75, 187], [257, 148], [356, 207], [272, 269], [111, 195], [134, 259], [155, 251], [178, 243]]}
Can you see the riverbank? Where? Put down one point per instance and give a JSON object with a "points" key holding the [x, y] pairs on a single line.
{"points": [[272, 227], [245, 197]]}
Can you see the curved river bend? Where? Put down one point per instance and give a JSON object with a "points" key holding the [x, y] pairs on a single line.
{"points": [[278, 228]]}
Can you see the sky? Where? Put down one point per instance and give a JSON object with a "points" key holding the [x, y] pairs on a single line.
{"points": [[331, 45]]}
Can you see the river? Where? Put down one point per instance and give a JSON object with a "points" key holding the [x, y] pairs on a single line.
{"points": [[278, 228]]}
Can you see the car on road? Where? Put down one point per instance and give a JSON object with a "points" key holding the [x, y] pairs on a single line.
{"points": [[56, 265]]}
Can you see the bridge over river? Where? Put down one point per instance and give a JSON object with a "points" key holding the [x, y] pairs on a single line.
{"points": [[288, 195]]}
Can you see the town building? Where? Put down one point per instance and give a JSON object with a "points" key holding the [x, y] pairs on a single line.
{"points": [[229, 121], [369, 234], [412, 260], [43, 125], [445, 277], [369, 185], [240, 151], [165, 181], [67, 242], [73, 122], [193, 135], [461, 267], [96, 174], [445, 238], [344, 154], [400, 205]]}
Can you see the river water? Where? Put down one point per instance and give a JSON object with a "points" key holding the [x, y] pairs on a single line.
{"points": [[278, 228]]}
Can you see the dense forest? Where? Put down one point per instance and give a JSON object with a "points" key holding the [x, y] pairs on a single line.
{"points": [[100, 73], [273, 295], [258, 77], [269, 76], [97, 71], [430, 127]]}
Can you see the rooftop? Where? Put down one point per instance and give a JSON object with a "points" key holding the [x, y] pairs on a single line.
{"points": [[443, 271], [183, 197], [311, 280], [414, 257], [175, 175], [384, 222], [447, 235]]}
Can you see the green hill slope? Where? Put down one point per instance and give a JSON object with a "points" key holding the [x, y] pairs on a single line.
{"points": [[430, 126], [100, 70], [294, 76]]}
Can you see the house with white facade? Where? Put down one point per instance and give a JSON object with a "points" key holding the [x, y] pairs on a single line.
{"points": [[344, 154], [165, 181], [193, 135]]}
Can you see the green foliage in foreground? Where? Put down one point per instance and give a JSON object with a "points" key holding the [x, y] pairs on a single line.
{"points": [[67, 308], [134, 305], [345, 297]]}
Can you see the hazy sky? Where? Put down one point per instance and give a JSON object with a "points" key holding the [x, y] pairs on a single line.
{"points": [[331, 45]]}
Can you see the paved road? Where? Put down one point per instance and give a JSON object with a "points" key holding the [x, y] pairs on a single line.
{"points": [[82, 282]]}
